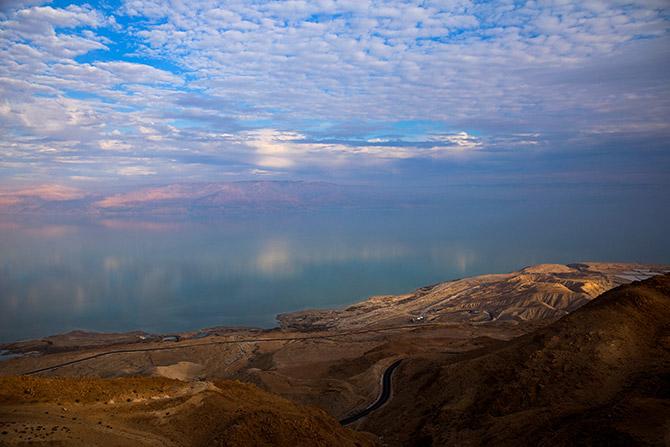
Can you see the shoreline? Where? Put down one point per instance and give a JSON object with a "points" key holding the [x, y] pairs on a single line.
{"points": [[315, 320]]}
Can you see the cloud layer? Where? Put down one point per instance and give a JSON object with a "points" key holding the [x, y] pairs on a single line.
{"points": [[148, 91]]}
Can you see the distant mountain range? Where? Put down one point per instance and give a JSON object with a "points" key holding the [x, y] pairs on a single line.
{"points": [[179, 198]]}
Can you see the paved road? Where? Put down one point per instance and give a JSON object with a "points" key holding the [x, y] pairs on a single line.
{"points": [[186, 345], [381, 400]]}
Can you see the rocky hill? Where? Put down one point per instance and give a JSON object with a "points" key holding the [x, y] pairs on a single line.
{"points": [[159, 412], [540, 292], [599, 376]]}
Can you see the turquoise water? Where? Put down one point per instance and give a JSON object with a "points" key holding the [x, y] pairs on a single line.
{"points": [[165, 275]]}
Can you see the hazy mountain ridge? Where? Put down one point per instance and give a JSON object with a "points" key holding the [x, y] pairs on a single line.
{"points": [[178, 198]]}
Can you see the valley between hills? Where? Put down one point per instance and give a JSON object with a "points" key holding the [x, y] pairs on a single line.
{"points": [[552, 354]]}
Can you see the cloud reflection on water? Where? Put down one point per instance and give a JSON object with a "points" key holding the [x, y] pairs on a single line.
{"points": [[162, 275]]}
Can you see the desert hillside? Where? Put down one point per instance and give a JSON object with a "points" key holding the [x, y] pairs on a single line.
{"points": [[159, 412], [599, 376], [493, 357], [333, 359], [536, 293]]}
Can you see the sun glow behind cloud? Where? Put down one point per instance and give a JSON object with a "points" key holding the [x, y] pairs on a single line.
{"points": [[153, 90]]}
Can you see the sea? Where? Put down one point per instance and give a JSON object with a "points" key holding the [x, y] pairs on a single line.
{"points": [[163, 274]]}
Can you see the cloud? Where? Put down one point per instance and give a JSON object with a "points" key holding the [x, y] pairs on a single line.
{"points": [[134, 73], [135, 170], [114, 145], [280, 149], [8, 5], [460, 140], [202, 89]]}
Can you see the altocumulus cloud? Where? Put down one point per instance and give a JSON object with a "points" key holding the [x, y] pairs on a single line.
{"points": [[151, 90]]}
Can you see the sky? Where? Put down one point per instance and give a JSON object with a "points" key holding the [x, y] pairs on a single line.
{"points": [[104, 93]]}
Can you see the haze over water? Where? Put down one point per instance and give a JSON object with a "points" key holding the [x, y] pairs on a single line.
{"points": [[165, 275], [556, 114]]}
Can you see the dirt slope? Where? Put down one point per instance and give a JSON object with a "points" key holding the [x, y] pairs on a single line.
{"points": [[159, 412], [599, 376]]}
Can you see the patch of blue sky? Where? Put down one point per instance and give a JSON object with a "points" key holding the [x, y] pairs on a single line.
{"points": [[120, 43], [314, 125], [418, 127], [391, 131], [328, 17], [122, 47], [454, 34], [413, 130], [259, 123], [644, 37], [78, 94], [45, 95], [118, 55], [186, 123], [66, 3], [109, 6], [383, 37]]}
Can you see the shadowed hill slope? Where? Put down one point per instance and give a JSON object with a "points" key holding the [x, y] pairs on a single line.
{"points": [[599, 376], [159, 412]]}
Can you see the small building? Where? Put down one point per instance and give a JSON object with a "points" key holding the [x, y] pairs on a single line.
{"points": [[171, 338]]}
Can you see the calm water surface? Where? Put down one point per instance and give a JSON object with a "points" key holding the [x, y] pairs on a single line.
{"points": [[162, 275]]}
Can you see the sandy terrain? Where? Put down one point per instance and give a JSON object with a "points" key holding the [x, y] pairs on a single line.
{"points": [[159, 412], [185, 371], [333, 359], [541, 292], [336, 372], [599, 376]]}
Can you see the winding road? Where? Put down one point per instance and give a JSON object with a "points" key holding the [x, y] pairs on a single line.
{"points": [[384, 395], [184, 345]]}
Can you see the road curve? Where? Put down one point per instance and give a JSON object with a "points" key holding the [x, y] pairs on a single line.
{"points": [[381, 400]]}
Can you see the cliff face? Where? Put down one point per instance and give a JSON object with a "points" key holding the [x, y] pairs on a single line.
{"points": [[596, 377], [157, 411], [538, 293]]}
